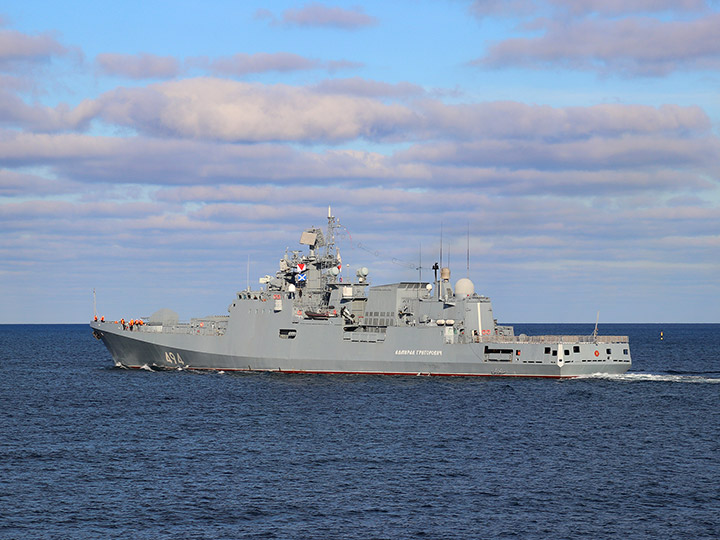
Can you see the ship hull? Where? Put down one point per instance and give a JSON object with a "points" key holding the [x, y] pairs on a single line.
{"points": [[324, 347]]}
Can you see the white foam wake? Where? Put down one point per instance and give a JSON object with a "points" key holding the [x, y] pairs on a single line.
{"points": [[653, 377]]}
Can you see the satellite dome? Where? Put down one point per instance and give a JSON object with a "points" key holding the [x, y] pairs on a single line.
{"points": [[464, 287]]}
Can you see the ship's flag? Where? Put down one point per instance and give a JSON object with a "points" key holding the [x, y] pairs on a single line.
{"points": [[339, 259], [301, 267], [301, 277]]}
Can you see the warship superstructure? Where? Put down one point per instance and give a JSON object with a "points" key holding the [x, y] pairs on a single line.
{"points": [[308, 318]]}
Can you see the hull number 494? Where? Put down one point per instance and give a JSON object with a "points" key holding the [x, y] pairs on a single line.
{"points": [[174, 359]]}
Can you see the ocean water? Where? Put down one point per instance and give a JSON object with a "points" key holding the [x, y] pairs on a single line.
{"points": [[91, 451]]}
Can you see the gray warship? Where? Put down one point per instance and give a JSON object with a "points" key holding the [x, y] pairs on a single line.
{"points": [[308, 318]]}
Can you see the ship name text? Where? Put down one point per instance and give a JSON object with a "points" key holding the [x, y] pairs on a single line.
{"points": [[417, 352]]}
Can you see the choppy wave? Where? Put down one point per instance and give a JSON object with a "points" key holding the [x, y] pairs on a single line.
{"points": [[657, 377]]}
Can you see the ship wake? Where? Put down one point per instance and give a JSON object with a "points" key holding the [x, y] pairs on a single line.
{"points": [[673, 377]]}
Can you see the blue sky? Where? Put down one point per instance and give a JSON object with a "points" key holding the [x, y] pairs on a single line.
{"points": [[150, 150]]}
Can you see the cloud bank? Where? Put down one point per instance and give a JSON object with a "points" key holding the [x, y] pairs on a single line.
{"points": [[319, 15], [628, 39], [175, 168]]}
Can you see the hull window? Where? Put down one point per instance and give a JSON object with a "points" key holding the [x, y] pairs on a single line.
{"points": [[286, 333]]}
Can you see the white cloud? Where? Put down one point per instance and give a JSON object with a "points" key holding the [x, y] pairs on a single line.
{"points": [[631, 46], [138, 66]]}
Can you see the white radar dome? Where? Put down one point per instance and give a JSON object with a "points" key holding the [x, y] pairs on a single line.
{"points": [[464, 287]]}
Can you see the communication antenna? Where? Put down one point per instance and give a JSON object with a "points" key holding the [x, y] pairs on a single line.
{"points": [[447, 254], [247, 275], [436, 267], [468, 250], [597, 319], [420, 260], [94, 304], [441, 231]]}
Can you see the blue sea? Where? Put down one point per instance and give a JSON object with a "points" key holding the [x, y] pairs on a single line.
{"points": [[91, 451]]}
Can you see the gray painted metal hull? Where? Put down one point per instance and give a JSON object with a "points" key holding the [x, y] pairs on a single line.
{"points": [[323, 347]]}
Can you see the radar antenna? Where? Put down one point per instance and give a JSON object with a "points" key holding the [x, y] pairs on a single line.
{"points": [[330, 249]]}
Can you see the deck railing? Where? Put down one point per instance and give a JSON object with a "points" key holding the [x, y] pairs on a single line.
{"points": [[186, 328], [555, 339]]}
